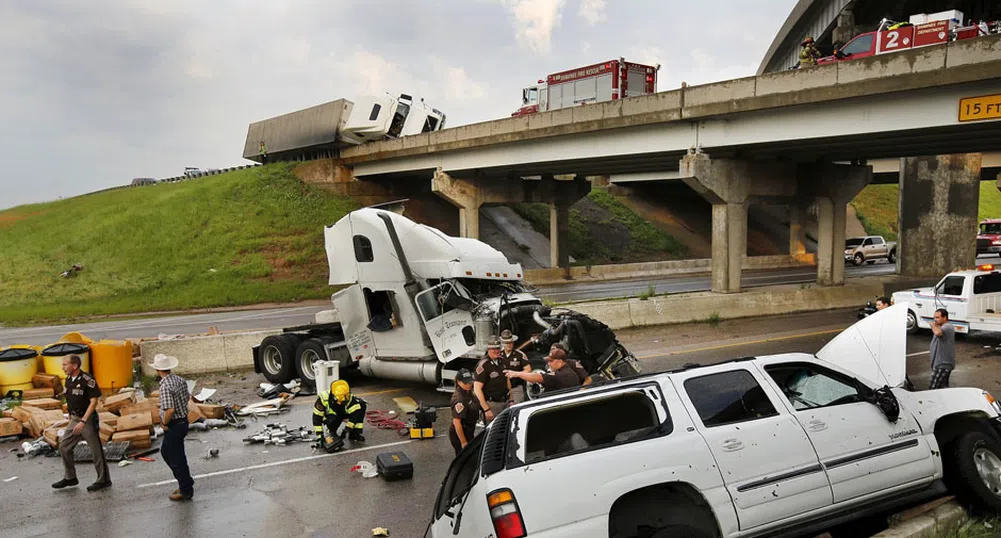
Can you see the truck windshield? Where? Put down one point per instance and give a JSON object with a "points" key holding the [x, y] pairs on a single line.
{"points": [[852, 243], [991, 228]]}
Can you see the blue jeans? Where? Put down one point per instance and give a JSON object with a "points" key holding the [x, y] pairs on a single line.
{"points": [[172, 450]]}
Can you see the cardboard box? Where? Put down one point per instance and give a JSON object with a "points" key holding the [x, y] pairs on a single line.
{"points": [[44, 403], [52, 433], [136, 421], [115, 403], [22, 414], [211, 411], [35, 394], [136, 438], [194, 413], [7, 413], [155, 394], [110, 419], [149, 407], [49, 381], [10, 426], [106, 432]]}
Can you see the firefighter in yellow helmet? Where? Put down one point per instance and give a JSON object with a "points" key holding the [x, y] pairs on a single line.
{"points": [[808, 53], [334, 408]]}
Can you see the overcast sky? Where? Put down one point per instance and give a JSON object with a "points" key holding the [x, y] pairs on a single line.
{"points": [[95, 93]]}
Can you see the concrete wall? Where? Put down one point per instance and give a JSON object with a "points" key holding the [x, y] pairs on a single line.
{"points": [[541, 277], [205, 354]]}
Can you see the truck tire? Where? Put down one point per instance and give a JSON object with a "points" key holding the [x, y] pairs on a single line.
{"points": [[892, 258], [912, 322], [308, 352], [278, 357], [976, 471], [858, 259]]}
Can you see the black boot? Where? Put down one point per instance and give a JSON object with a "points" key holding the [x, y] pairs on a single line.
{"points": [[64, 483], [355, 435]]}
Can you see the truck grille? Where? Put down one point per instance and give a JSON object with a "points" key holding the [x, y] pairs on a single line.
{"points": [[982, 243]]}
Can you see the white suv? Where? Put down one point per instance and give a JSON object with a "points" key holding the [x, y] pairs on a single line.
{"points": [[782, 445]]}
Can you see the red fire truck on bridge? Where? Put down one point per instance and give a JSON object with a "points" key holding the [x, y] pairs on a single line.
{"points": [[607, 81]]}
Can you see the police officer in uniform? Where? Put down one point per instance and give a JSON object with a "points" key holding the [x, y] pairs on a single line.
{"points": [[575, 365], [490, 387], [464, 411], [561, 375], [336, 407], [514, 359], [81, 400]]}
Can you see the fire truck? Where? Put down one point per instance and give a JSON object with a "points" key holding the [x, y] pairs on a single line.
{"points": [[607, 81], [921, 30]]}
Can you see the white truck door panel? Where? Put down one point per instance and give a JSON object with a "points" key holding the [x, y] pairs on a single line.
{"points": [[862, 451], [353, 314], [767, 461], [449, 326]]}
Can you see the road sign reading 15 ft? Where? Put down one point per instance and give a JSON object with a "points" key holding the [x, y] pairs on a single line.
{"points": [[986, 107]]}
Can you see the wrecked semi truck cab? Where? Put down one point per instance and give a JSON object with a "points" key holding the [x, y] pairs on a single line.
{"points": [[418, 305]]}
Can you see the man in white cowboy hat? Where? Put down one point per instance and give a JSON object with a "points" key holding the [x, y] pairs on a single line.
{"points": [[514, 359], [174, 398]]}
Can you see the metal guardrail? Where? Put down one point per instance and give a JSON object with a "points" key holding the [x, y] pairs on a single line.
{"points": [[177, 179]]}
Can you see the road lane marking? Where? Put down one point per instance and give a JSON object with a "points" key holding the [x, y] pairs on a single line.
{"points": [[735, 344], [918, 353], [275, 464]]}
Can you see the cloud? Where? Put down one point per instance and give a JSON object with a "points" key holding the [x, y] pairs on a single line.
{"points": [[457, 84], [592, 11], [535, 21]]}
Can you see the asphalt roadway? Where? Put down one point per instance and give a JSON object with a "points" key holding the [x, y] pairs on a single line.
{"points": [[291, 316], [255, 490]]}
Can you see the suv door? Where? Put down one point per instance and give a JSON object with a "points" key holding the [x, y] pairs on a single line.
{"points": [[459, 502], [862, 451], [769, 466]]}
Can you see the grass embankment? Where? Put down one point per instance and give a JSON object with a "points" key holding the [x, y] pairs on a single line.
{"points": [[877, 207], [603, 230], [244, 237]]}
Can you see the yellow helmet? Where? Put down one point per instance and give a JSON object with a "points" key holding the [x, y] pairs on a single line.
{"points": [[340, 390]]}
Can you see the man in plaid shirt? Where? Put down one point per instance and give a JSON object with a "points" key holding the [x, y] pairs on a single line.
{"points": [[174, 398]]}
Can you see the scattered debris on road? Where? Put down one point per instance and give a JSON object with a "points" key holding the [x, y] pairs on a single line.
{"points": [[380, 531], [279, 434]]}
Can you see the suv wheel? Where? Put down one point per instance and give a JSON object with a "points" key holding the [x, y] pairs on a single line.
{"points": [[858, 259], [912, 322], [976, 471]]}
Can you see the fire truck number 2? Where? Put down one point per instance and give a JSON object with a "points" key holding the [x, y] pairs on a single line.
{"points": [[892, 39]]}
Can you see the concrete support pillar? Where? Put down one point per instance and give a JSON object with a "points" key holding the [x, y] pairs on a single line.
{"points": [[845, 30], [729, 245], [939, 202], [559, 236], [797, 237], [469, 222], [730, 185], [831, 243], [831, 187]]}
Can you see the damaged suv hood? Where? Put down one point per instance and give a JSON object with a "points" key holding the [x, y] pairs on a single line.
{"points": [[875, 348]]}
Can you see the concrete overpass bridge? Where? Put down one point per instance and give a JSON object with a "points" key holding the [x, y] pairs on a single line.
{"points": [[776, 137]]}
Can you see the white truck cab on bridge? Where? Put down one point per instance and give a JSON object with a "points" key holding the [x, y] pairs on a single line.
{"points": [[781, 445], [972, 298], [418, 305]]}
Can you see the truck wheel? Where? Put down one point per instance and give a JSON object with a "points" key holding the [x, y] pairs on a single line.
{"points": [[309, 352], [278, 357], [976, 467], [858, 259], [892, 258], [912, 322]]}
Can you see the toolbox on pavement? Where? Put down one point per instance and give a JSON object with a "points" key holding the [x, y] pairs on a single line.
{"points": [[394, 466]]}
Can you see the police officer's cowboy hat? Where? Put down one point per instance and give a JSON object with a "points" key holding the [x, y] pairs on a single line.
{"points": [[164, 362], [507, 337], [493, 343]]}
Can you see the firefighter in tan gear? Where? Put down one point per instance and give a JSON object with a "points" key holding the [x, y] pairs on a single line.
{"points": [[334, 408], [808, 53]]}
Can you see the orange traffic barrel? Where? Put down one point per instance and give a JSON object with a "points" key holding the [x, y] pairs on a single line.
{"points": [[111, 361]]}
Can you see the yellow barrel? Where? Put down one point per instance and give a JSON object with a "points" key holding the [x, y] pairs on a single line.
{"points": [[112, 364], [38, 359], [17, 366], [75, 338], [54, 354]]}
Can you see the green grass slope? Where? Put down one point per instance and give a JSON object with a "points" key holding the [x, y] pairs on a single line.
{"points": [[244, 237], [877, 207], [603, 230]]}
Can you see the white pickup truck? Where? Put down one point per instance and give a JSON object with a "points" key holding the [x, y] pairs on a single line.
{"points": [[972, 298], [781, 445], [868, 249]]}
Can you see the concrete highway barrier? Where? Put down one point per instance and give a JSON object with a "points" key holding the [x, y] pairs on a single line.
{"points": [[206, 354], [627, 271]]}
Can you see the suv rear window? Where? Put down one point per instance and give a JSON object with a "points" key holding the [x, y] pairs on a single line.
{"points": [[591, 424], [728, 397]]}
